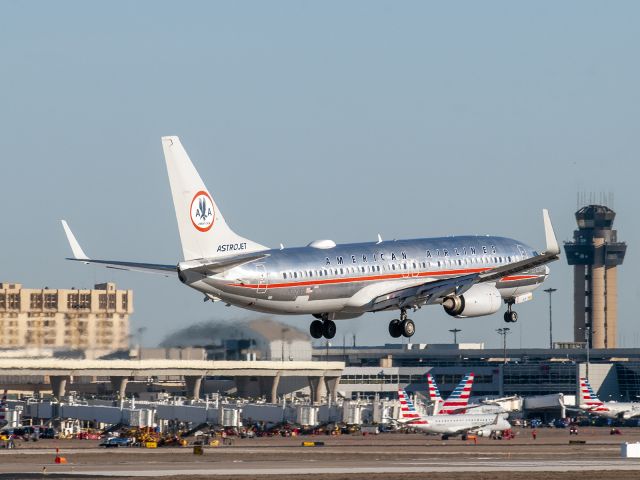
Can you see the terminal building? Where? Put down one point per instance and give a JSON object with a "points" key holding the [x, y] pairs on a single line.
{"points": [[61, 320], [380, 370]]}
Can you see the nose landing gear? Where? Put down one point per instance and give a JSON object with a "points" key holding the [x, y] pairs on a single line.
{"points": [[404, 327], [323, 328]]}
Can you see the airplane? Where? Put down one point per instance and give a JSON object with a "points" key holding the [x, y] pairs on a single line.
{"points": [[590, 403], [450, 425], [458, 400], [469, 276]]}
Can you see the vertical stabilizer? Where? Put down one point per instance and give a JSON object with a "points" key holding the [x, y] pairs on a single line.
{"points": [[203, 230], [407, 409], [459, 398], [434, 393], [588, 397]]}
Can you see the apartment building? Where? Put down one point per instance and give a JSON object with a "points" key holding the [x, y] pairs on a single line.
{"points": [[70, 319]]}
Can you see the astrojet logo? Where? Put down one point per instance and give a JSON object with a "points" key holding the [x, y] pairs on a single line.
{"points": [[202, 214]]}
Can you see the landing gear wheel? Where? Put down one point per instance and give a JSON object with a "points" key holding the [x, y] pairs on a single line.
{"points": [[315, 329], [510, 316], [408, 328], [394, 328], [329, 329]]}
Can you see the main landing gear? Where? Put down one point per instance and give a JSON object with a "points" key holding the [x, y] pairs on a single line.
{"points": [[510, 316], [323, 328], [404, 327]]}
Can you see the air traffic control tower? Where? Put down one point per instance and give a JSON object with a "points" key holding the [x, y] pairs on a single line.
{"points": [[595, 254]]}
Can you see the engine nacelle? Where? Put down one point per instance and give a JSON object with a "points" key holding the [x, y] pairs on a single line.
{"points": [[479, 300]]}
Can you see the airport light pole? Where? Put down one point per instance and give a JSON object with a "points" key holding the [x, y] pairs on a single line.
{"points": [[504, 332], [455, 334], [550, 292]]}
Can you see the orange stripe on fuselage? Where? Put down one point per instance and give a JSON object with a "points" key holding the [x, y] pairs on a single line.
{"points": [[371, 278]]}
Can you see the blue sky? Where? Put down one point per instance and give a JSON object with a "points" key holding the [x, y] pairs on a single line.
{"points": [[316, 120]]}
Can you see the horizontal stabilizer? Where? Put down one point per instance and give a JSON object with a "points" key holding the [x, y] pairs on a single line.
{"points": [[209, 266], [80, 256]]}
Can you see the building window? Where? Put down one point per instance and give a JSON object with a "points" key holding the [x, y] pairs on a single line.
{"points": [[72, 301], [50, 300], [125, 301], [3, 300], [14, 301], [102, 301], [36, 301], [112, 301], [85, 300]]}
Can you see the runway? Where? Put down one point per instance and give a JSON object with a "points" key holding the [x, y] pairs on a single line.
{"points": [[387, 456]]}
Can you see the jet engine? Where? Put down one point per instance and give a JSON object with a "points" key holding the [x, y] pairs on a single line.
{"points": [[479, 300]]}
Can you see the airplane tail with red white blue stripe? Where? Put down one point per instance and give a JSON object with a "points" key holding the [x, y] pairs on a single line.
{"points": [[407, 408], [434, 393], [588, 398], [459, 398]]}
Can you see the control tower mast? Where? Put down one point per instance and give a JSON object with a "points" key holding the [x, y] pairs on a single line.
{"points": [[595, 254]]}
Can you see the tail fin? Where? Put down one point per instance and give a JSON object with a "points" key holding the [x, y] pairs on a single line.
{"points": [[587, 395], [434, 393], [459, 398], [203, 230], [407, 409]]}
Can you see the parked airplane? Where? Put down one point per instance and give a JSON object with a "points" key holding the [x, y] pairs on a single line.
{"points": [[458, 400], [590, 403], [469, 276], [450, 425]]}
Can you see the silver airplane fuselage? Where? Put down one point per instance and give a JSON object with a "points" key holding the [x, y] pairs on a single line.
{"points": [[342, 279]]}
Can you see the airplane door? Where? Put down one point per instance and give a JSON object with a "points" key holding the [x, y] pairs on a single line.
{"points": [[262, 278]]}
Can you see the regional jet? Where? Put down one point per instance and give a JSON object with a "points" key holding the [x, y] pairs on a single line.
{"points": [[450, 425], [590, 403], [469, 276]]}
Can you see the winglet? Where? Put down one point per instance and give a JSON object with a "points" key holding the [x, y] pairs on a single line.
{"points": [[78, 253], [552, 247]]}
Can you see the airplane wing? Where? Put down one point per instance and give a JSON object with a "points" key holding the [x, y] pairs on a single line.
{"points": [[204, 265], [433, 291]]}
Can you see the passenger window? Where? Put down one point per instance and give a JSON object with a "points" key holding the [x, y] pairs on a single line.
{"points": [[393, 266], [295, 275], [284, 275]]}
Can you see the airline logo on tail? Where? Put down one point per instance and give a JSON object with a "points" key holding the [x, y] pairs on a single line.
{"points": [[459, 399], [589, 398], [434, 393], [407, 408], [202, 211]]}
